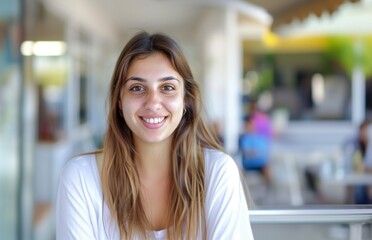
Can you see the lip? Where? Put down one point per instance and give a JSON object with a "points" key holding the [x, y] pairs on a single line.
{"points": [[153, 125]]}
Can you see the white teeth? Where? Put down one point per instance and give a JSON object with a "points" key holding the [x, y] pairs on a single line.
{"points": [[153, 120]]}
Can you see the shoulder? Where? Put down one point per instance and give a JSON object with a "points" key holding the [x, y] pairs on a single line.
{"points": [[81, 163], [79, 200], [79, 168], [216, 157], [218, 163]]}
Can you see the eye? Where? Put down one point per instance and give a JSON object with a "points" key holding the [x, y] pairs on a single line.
{"points": [[168, 88], [137, 88]]}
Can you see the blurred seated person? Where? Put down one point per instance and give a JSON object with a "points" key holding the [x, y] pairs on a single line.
{"points": [[362, 162], [260, 120], [367, 162], [254, 142]]}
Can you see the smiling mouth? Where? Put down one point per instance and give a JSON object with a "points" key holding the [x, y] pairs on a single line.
{"points": [[153, 120]]}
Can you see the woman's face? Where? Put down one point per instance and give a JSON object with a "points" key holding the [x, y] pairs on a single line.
{"points": [[152, 99]]}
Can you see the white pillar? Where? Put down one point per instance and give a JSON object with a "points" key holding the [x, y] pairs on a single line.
{"points": [[358, 103], [232, 82], [358, 86], [222, 58]]}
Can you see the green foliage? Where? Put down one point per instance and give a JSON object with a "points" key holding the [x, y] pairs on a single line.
{"points": [[265, 80], [266, 75], [348, 52], [366, 57]]}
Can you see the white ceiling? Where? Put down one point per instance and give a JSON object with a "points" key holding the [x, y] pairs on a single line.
{"points": [[113, 18], [127, 14], [277, 7], [176, 13], [170, 14]]}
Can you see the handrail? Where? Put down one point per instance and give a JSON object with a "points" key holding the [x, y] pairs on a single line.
{"points": [[354, 215], [313, 215]]}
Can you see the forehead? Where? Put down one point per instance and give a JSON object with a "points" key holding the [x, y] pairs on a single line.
{"points": [[154, 67], [152, 61]]}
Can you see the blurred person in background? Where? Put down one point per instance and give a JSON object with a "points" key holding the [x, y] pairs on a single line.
{"points": [[362, 161], [254, 142], [260, 120], [367, 162], [161, 174]]}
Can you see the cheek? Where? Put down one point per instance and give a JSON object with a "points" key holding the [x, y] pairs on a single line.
{"points": [[128, 107], [176, 106]]}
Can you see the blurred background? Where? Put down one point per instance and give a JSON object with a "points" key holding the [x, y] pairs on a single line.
{"points": [[306, 64]]}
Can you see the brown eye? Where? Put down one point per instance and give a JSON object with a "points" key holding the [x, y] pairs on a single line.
{"points": [[137, 89], [168, 88]]}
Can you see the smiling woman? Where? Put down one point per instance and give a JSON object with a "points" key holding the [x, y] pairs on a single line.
{"points": [[152, 99], [161, 174]]}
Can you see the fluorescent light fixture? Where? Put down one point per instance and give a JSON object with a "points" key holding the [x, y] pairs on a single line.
{"points": [[43, 48], [49, 48], [26, 48]]}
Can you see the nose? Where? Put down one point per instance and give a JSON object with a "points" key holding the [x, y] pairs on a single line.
{"points": [[153, 101]]}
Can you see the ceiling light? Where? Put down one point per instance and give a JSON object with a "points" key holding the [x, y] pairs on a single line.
{"points": [[43, 48], [26, 48]]}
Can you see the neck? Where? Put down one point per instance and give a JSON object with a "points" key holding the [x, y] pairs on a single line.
{"points": [[153, 160]]}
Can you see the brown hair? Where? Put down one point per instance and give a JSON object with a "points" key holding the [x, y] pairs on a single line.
{"points": [[119, 176]]}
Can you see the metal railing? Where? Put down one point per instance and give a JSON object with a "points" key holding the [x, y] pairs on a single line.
{"points": [[354, 215]]}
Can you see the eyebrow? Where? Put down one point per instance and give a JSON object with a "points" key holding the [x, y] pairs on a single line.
{"points": [[139, 79]]}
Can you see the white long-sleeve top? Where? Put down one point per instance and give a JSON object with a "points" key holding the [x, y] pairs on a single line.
{"points": [[82, 214]]}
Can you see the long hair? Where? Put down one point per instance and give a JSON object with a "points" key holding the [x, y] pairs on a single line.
{"points": [[119, 176]]}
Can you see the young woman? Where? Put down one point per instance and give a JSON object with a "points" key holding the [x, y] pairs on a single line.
{"points": [[161, 174]]}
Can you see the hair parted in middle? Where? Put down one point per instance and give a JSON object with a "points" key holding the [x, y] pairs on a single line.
{"points": [[119, 176]]}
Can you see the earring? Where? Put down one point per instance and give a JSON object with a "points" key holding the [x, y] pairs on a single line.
{"points": [[184, 111], [121, 113]]}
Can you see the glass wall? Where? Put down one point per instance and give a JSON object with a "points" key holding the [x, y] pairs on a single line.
{"points": [[10, 85]]}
